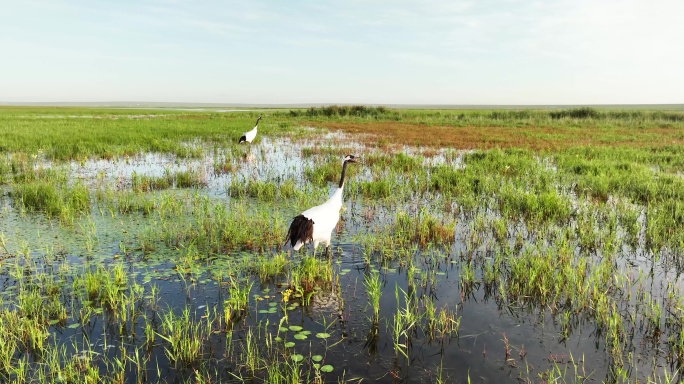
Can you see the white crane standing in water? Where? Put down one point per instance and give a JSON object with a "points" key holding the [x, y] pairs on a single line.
{"points": [[250, 135], [317, 224]]}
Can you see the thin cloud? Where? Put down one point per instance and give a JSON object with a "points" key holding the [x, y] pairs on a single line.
{"points": [[427, 60]]}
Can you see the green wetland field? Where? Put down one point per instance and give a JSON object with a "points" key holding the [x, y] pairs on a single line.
{"points": [[534, 246]]}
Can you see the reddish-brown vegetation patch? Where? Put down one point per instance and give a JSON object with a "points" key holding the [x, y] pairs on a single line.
{"points": [[535, 138]]}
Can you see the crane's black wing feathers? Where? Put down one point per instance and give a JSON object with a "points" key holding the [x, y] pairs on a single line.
{"points": [[301, 229]]}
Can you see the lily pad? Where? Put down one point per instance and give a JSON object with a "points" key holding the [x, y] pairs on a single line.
{"points": [[299, 358], [289, 344], [316, 358], [322, 335], [295, 328], [327, 368]]}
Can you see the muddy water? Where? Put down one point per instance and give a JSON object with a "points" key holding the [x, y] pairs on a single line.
{"points": [[478, 353]]}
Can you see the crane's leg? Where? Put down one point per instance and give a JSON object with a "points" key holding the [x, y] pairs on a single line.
{"points": [[328, 253], [315, 245]]}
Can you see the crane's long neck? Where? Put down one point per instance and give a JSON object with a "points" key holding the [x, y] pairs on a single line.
{"points": [[344, 170]]}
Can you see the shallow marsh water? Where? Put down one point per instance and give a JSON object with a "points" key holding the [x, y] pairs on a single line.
{"points": [[496, 339]]}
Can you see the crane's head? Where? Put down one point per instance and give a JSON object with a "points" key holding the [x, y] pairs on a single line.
{"points": [[351, 159]]}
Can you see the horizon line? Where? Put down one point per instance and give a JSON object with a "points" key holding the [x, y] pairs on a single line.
{"points": [[308, 105]]}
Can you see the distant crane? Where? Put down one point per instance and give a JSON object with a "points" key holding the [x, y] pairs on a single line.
{"points": [[250, 135], [316, 224]]}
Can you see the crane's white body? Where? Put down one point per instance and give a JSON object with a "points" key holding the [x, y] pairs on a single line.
{"points": [[250, 135], [325, 218]]}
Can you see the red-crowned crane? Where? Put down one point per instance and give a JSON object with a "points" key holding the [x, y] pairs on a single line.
{"points": [[317, 224], [250, 135]]}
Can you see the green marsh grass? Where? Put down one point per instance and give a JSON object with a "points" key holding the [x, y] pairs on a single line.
{"points": [[309, 273], [553, 226], [184, 337], [108, 134], [179, 179], [268, 267], [237, 301], [342, 111], [264, 191], [328, 172], [373, 290], [60, 201], [423, 228], [216, 228]]}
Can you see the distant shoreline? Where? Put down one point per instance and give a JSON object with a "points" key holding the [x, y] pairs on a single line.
{"points": [[132, 104]]}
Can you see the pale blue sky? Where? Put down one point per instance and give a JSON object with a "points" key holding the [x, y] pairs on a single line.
{"points": [[377, 52]]}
